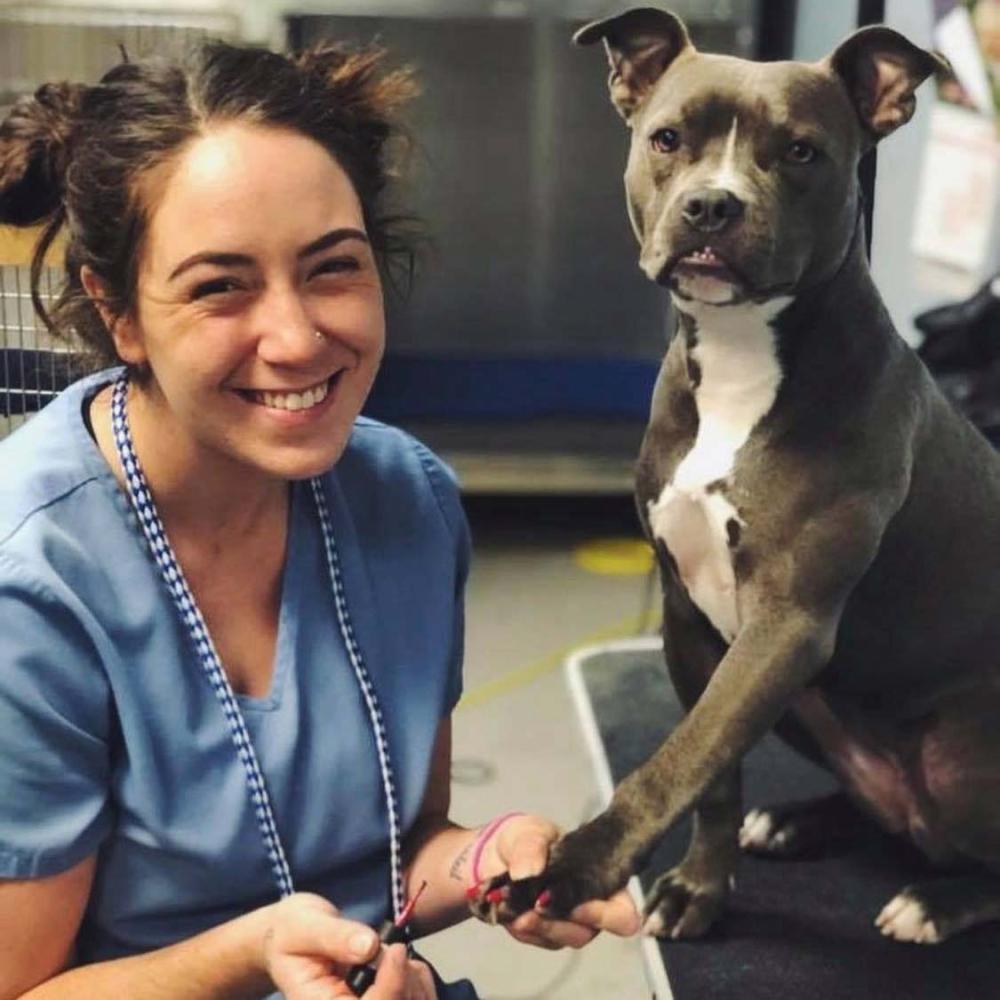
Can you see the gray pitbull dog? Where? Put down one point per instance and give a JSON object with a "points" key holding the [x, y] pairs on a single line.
{"points": [[827, 525]]}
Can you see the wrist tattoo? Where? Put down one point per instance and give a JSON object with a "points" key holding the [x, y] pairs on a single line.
{"points": [[459, 863]]}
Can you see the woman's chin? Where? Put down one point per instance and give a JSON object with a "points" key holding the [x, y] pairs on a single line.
{"points": [[301, 463]]}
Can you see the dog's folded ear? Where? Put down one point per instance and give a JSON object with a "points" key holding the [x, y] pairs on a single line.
{"points": [[641, 44], [881, 70]]}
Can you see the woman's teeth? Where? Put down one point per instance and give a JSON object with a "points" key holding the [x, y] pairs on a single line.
{"points": [[294, 400]]}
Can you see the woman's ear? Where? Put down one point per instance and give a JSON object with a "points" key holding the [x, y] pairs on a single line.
{"points": [[121, 328]]}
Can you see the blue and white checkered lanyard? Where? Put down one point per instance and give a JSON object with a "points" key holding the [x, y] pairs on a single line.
{"points": [[173, 576]]}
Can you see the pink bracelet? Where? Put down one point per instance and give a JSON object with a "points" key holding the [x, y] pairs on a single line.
{"points": [[484, 835]]}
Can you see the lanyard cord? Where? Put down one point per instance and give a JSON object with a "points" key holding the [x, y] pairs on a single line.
{"points": [[187, 608], [369, 694]]}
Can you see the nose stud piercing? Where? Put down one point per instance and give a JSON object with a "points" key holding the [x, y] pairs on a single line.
{"points": [[318, 334]]}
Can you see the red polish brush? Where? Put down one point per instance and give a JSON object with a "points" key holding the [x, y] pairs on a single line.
{"points": [[360, 977]]}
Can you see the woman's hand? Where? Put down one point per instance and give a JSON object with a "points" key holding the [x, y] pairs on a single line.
{"points": [[308, 948], [521, 847]]}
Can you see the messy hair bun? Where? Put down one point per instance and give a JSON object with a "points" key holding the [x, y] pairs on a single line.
{"points": [[78, 155], [35, 143]]}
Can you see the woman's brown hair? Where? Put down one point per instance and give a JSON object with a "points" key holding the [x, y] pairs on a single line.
{"points": [[74, 156]]}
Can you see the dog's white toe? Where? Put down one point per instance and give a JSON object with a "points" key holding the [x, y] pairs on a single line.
{"points": [[653, 927], [905, 918], [756, 829]]}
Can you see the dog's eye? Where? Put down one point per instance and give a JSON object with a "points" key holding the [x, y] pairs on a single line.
{"points": [[801, 151], [665, 140]]}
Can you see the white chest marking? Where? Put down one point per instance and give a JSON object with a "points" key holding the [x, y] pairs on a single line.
{"points": [[740, 375]]}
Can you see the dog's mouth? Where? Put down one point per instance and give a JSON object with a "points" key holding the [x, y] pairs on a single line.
{"points": [[706, 262], [705, 275]]}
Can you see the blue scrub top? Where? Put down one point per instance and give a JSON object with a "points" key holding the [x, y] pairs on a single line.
{"points": [[112, 740]]}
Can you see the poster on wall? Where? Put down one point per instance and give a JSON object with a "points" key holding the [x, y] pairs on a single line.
{"points": [[958, 203]]}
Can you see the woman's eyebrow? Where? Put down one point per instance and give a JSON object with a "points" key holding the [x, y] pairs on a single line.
{"points": [[332, 238], [220, 259]]}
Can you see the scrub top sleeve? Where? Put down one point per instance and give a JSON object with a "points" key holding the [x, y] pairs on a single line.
{"points": [[55, 710], [457, 653], [445, 486]]}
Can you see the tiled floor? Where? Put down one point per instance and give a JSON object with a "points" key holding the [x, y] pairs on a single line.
{"points": [[518, 743]]}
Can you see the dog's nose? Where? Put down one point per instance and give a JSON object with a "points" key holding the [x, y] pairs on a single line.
{"points": [[711, 209]]}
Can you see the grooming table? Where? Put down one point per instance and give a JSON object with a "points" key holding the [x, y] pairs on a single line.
{"points": [[798, 930]]}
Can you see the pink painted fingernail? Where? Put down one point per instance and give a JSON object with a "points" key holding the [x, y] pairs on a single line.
{"points": [[472, 892], [494, 896], [544, 898]]}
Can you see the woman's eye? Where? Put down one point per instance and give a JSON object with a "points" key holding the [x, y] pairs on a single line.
{"points": [[217, 286], [665, 140], [336, 265], [801, 151]]}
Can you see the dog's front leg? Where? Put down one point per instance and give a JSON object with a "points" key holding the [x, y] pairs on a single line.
{"points": [[685, 901], [773, 657]]}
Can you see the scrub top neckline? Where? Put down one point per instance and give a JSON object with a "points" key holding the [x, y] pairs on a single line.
{"points": [[284, 645]]}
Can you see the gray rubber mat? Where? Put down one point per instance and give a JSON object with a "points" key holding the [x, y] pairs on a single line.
{"points": [[795, 930]]}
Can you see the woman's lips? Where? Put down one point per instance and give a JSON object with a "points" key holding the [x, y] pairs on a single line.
{"points": [[292, 400]]}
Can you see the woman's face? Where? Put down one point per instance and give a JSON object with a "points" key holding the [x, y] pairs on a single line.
{"points": [[259, 307]]}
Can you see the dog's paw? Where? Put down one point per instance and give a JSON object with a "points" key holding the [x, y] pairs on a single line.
{"points": [[488, 901], [585, 864], [802, 830], [680, 906], [907, 917], [939, 908], [763, 833]]}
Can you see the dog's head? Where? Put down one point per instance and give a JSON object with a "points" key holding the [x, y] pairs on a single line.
{"points": [[741, 178]]}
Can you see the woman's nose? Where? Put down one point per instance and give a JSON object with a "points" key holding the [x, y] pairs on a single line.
{"points": [[284, 328]]}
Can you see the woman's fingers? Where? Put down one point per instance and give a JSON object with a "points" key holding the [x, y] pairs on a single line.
{"points": [[617, 915], [309, 949], [422, 981], [400, 978], [324, 935], [533, 928], [523, 845], [392, 978]]}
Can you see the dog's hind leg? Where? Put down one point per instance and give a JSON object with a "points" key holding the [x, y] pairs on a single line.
{"points": [[932, 911], [957, 759], [804, 830], [685, 901]]}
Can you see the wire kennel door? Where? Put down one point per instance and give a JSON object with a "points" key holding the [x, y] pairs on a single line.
{"points": [[33, 368]]}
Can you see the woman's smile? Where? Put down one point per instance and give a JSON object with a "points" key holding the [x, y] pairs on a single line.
{"points": [[292, 399]]}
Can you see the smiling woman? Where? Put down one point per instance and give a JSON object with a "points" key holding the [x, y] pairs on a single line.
{"points": [[232, 288], [218, 765]]}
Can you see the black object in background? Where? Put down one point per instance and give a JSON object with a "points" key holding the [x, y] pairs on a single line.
{"points": [[961, 347]]}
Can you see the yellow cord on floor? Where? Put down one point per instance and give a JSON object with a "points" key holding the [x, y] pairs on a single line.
{"points": [[489, 691]]}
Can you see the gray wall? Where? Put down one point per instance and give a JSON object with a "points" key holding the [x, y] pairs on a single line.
{"points": [[907, 283], [820, 25]]}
